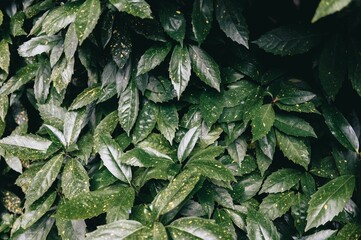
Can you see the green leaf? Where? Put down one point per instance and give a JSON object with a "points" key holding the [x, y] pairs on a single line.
{"points": [[39, 230], [128, 107], [142, 158], [294, 149], [259, 227], [90, 204], [354, 66], [263, 118], [281, 180], [38, 45], [157, 143], [307, 107], [26, 146], [197, 228], [202, 18], [146, 121], [288, 40], [160, 90], [210, 168], [56, 135], [209, 153], [21, 77], [42, 83], [86, 97], [70, 42], [52, 114], [86, 18], [4, 56], [247, 187], [329, 200], [231, 21], [110, 154], [299, 212], [123, 208], [205, 67], [153, 57], [237, 150], [37, 210], [167, 121], [74, 179], [173, 21], [62, 74], [275, 205], [267, 144], [121, 46], [294, 126], [16, 24], [291, 95], [176, 191], [180, 69], [122, 229], [211, 106], [340, 127], [138, 8], [59, 18], [327, 7], [70, 229], [187, 144], [73, 124], [330, 71], [43, 180], [350, 231]]}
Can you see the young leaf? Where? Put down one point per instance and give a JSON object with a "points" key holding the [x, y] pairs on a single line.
{"points": [[153, 57], [327, 7], [281, 181], [86, 18], [74, 179], [329, 200], [43, 180], [180, 69], [197, 228], [138, 8], [128, 107], [110, 154], [167, 121], [90, 204], [340, 127], [294, 149], [177, 190], [205, 67], [231, 21], [121, 229], [294, 126], [202, 18], [288, 40], [146, 121], [259, 227], [262, 120], [277, 204], [330, 71], [86, 97], [187, 144], [210, 168]]}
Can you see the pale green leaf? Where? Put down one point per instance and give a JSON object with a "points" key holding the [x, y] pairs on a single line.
{"points": [[327, 7]]}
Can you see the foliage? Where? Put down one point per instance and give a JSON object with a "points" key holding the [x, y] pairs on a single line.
{"points": [[172, 119]]}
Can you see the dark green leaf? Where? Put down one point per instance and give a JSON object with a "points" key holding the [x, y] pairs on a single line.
{"points": [[141, 158], [202, 18], [122, 229], [86, 18], [259, 227], [176, 191], [205, 67], [74, 179], [124, 206], [86, 97], [247, 187], [262, 118], [167, 121], [91, 204], [70, 42], [43, 180], [128, 107], [294, 149], [38, 45], [187, 143], [354, 66], [153, 57], [160, 90], [211, 169], [138, 8], [288, 40], [340, 127], [16, 24], [291, 95], [62, 73], [294, 126], [180, 69], [237, 150], [329, 200], [307, 107], [327, 7], [299, 212], [277, 204], [39, 230], [173, 21], [73, 124], [211, 106], [230, 18], [281, 180], [120, 46], [197, 228], [268, 143], [146, 121], [350, 231], [5, 56], [56, 135], [70, 229]]}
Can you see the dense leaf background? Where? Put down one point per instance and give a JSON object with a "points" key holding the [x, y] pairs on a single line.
{"points": [[173, 119]]}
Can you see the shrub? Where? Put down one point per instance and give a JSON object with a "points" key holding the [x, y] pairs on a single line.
{"points": [[163, 119]]}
